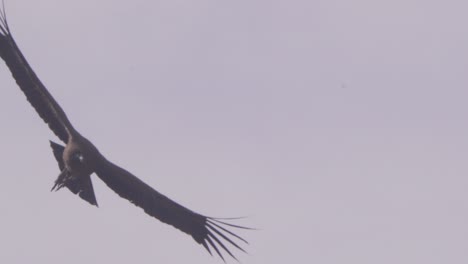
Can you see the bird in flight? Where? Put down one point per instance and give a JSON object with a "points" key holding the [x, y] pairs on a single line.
{"points": [[79, 158]]}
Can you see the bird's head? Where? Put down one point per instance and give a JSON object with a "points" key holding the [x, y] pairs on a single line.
{"points": [[77, 157], [81, 156]]}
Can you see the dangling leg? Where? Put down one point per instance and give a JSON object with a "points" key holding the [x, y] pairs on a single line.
{"points": [[61, 180]]}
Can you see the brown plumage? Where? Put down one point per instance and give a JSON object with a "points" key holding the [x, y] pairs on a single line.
{"points": [[79, 158]]}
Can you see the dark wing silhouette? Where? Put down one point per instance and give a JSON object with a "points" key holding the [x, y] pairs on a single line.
{"points": [[205, 230], [80, 185], [35, 92]]}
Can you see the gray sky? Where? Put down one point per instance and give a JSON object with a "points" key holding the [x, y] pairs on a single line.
{"points": [[337, 127]]}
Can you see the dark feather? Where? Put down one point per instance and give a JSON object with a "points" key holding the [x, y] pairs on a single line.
{"points": [[32, 87], [203, 229]]}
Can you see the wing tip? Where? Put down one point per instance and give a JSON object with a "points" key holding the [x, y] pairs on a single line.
{"points": [[4, 29], [218, 237]]}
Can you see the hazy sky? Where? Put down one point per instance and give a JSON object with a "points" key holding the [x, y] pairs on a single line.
{"points": [[339, 128]]}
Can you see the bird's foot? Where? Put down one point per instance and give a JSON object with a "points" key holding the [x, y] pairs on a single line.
{"points": [[61, 180]]}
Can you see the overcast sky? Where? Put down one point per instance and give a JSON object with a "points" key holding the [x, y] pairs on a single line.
{"points": [[339, 128]]}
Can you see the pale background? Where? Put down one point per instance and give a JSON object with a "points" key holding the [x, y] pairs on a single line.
{"points": [[339, 128]]}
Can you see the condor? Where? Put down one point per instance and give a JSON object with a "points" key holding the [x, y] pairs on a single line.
{"points": [[80, 158]]}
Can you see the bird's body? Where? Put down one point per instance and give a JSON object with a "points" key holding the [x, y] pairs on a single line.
{"points": [[79, 159]]}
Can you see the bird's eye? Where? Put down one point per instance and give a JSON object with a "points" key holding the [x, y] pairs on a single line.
{"points": [[78, 156]]}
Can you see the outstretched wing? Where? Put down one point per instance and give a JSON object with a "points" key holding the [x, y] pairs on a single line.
{"points": [[32, 87], [209, 232], [80, 185]]}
